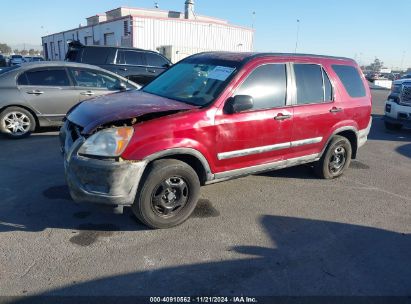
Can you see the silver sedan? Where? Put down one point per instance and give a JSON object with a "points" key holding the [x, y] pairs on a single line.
{"points": [[39, 94]]}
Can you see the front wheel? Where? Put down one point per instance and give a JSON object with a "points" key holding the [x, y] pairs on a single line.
{"points": [[168, 195], [335, 159], [17, 122]]}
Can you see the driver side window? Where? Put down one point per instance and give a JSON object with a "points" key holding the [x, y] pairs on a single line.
{"points": [[267, 85]]}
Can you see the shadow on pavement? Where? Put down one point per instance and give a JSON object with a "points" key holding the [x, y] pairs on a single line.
{"points": [[379, 132], [307, 257]]}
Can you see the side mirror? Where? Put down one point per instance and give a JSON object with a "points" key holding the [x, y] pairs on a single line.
{"points": [[238, 103], [167, 65], [122, 86]]}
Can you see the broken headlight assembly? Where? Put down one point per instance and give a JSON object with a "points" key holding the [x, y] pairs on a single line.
{"points": [[109, 142]]}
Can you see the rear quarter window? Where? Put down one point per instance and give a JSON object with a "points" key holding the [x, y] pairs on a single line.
{"points": [[351, 80], [95, 55]]}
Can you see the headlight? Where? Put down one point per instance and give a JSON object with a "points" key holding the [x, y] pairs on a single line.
{"points": [[108, 142]]}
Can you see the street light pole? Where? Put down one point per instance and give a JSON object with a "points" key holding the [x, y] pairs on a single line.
{"points": [[298, 32]]}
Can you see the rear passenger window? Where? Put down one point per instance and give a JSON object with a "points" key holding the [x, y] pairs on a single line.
{"points": [[134, 58], [95, 55], [267, 85], [351, 80], [309, 82], [155, 60], [44, 78]]}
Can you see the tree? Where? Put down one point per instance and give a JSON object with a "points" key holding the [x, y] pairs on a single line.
{"points": [[4, 48], [24, 52], [32, 52], [16, 51], [376, 66]]}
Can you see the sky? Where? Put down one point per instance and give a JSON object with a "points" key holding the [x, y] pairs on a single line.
{"points": [[359, 29]]}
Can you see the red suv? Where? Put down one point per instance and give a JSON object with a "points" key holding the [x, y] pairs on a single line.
{"points": [[212, 117]]}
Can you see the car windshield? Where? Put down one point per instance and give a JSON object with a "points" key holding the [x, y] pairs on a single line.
{"points": [[193, 82]]}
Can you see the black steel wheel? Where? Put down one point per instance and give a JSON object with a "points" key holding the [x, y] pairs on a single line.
{"points": [[167, 195], [336, 158]]}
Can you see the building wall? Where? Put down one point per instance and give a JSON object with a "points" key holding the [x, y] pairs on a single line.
{"points": [[152, 33], [185, 37]]}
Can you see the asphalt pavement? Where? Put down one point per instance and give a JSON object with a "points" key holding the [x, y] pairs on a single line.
{"points": [[279, 233]]}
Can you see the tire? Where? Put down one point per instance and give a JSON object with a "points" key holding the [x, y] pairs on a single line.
{"points": [[392, 126], [168, 195], [336, 158], [16, 122]]}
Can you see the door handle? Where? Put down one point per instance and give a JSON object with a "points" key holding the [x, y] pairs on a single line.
{"points": [[282, 117], [122, 69], [35, 92], [151, 70], [88, 93], [335, 110]]}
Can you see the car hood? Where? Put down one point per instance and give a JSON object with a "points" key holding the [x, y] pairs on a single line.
{"points": [[93, 113]]}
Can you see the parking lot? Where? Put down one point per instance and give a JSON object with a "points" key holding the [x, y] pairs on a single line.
{"points": [[278, 233]]}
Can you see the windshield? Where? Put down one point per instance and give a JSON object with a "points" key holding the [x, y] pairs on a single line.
{"points": [[192, 82]]}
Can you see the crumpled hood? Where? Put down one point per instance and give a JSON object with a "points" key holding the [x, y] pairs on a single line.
{"points": [[93, 113]]}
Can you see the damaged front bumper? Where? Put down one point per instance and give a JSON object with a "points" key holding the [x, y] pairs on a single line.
{"points": [[104, 181]]}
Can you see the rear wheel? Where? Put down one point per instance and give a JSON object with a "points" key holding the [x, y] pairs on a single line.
{"points": [[17, 122], [168, 195], [335, 159], [392, 126]]}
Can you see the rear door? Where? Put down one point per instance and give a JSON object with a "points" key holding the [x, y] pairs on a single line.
{"points": [[315, 111], [261, 135], [92, 83], [49, 91]]}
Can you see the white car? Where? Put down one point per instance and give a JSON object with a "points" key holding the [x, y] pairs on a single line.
{"points": [[398, 105], [16, 59]]}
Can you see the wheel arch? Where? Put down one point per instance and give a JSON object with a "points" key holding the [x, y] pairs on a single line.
{"points": [[32, 112], [192, 157], [348, 132]]}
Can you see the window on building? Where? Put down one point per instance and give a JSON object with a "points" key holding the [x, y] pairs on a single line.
{"points": [[351, 80], [126, 28], [309, 82], [267, 84], [55, 77], [156, 60]]}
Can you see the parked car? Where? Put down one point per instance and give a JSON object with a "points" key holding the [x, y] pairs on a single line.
{"points": [[213, 117], [36, 59], [3, 61], [16, 59], [27, 58], [39, 94], [398, 105], [140, 66]]}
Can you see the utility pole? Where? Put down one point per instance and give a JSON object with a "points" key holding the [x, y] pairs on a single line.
{"points": [[298, 32]]}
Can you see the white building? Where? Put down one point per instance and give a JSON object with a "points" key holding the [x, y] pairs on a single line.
{"points": [[174, 34]]}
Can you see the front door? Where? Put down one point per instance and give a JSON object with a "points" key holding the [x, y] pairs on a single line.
{"points": [[92, 83], [261, 135]]}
